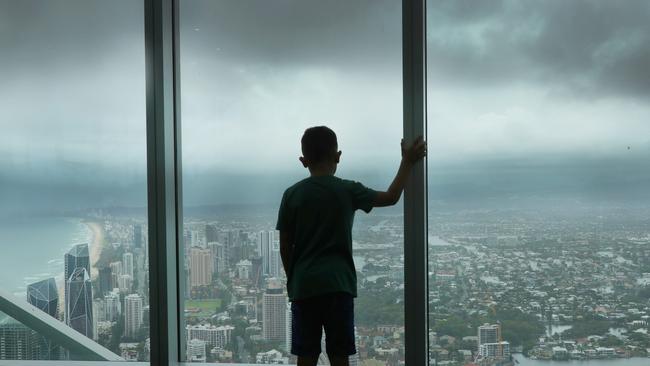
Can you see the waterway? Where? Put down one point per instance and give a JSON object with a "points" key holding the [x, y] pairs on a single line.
{"points": [[635, 361]]}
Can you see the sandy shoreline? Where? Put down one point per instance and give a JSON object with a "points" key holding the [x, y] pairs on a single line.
{"points": [[95, 246]]}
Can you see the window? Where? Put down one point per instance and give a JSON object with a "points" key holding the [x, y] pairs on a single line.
{"points": [[73, 219], [255, 75], [538, 171]]}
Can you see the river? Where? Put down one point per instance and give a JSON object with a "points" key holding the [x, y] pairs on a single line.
{"points": [[635, 361]]}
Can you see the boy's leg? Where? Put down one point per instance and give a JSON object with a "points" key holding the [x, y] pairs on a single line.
{"points": [[338, 360], [308, 361], [306, 331], [339, 329]]}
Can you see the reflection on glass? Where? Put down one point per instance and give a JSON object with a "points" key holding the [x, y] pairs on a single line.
{"points": [[73, 183], [255, 75], [538, 172]]}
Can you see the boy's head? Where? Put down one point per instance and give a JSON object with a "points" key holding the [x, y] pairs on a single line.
{"points": [[320, 149]]}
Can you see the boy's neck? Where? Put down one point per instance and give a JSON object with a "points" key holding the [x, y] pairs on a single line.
{"points": [[322, 171]]}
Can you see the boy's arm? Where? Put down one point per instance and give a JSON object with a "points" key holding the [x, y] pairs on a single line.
{"points": [[410, 155], [286, 250]]}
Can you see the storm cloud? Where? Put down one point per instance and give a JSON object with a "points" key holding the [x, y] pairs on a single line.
{"points": [[590, 48], [549, 84]]}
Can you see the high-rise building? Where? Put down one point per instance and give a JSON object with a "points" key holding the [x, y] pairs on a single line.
{"points": [[287, 332], [137, 236], [264, 243], [494, 350], [125, 283], [44, 295], [99, 311], [132, 314], [200, 267], [127, 264], [218, 255], [213, 336], [105, 280], [79, 306], [275, 261], [113, 306], [77, 257], [116, 272], [244, 269], [18, 342], [256, 270], [488, 333], [211, 233], [274, 308], [196, 350]]}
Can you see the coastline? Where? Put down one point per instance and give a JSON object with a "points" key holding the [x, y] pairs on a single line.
{"points": [[96, 245]]}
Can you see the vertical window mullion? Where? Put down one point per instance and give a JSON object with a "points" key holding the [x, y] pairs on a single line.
{"points": [[415, 194], [162, 173]]}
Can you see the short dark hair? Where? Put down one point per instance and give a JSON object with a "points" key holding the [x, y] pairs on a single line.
{"points": [[318, 144]]}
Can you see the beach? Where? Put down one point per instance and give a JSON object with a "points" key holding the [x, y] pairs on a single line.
{"points": [[95, 246]]}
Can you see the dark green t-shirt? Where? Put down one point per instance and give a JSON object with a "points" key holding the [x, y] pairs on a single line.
{"points": [[319, 213]]}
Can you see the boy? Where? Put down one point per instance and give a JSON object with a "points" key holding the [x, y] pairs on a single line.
{"points": [[315, 224]]}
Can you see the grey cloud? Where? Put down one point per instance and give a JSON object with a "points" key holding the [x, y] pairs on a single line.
{"points": [[585, 47], [288, 33]]}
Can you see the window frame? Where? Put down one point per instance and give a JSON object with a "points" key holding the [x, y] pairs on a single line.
{"points": [[164, 186]]}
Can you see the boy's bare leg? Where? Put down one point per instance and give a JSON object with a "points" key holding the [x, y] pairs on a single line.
{"points": [[308, 361], [338, 360]]}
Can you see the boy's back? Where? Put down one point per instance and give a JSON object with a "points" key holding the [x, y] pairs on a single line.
{"points": [[318, 212], [315, 223]]}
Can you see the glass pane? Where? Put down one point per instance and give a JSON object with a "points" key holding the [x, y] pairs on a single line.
{"points": [[73, 188], [255, 75], [539, 169]]}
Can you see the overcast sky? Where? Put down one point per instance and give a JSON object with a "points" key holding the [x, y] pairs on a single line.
{"points": [[522, 80]]}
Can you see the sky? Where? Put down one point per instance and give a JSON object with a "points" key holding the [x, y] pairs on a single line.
{"points": [[517, 90]]}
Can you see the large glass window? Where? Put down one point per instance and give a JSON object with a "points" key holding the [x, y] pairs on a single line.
{"points": [[255, 75], [538, 181], [73, 223]]}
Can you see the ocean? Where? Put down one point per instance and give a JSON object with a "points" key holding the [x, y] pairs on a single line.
{"points": [[33, 249]]}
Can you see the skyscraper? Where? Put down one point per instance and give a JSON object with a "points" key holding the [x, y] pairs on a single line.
{"points": [[113, 306], [211, 233], [18, 342], [213, 336], [275, 261], [79, 307], [137, 236], [274, 308], [105, 280], [264, 243], [127, 263], [218, 255], [488, 333], [116, 272], [77, 257], [287, 332], [125, 283], [44, 295], [200, 267], [132, 314], [196, 350]]}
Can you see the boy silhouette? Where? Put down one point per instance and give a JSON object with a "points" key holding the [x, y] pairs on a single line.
{"points": [[315, 223]]}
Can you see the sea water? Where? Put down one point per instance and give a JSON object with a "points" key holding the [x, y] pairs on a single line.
{"points": [[32, 249]]}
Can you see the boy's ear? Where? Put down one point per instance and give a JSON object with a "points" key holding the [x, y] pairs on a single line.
{"points": [[338, 156], [303, 161]]}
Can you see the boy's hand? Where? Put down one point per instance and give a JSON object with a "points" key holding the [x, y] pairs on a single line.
{"points": [[414, 152]]}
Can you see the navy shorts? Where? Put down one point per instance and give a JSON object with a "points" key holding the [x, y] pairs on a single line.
{"points": [[333, 312]]}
